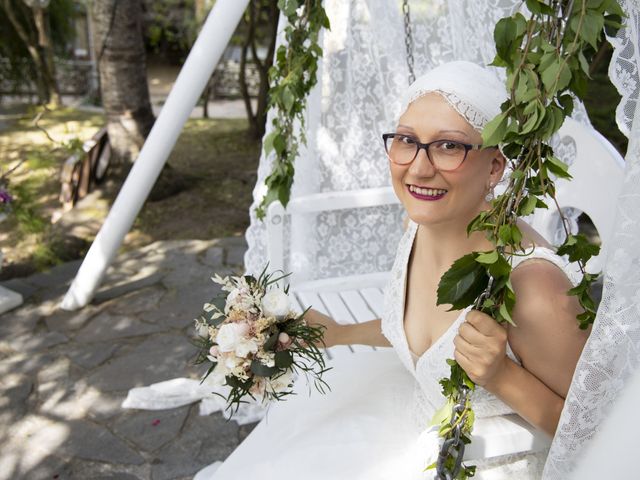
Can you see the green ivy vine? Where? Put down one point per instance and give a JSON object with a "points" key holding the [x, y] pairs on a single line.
{"points": [[292, 77], [546, 57]]}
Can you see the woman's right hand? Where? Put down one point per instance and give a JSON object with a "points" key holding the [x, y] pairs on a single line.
{"points": [[333, 331]]}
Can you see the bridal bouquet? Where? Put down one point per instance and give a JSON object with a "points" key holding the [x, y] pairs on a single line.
{"points": [[254, 342]]}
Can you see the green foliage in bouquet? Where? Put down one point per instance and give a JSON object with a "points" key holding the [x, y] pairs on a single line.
{"points": [[546, 57], [292, 77], [269, 344]]}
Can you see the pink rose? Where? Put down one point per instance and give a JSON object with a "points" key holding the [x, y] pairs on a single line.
{"points": [[214, 351]]}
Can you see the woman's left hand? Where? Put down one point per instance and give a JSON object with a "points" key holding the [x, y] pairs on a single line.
{"points": [[481, 347]]}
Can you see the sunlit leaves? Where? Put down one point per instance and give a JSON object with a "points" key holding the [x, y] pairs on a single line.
{"points": [[578, 248], [589, 28], [292, 77], [547, 65], [508, 34], [495, 130], [582, 292]]}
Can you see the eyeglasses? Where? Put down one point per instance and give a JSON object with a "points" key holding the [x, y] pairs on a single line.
{"points": [[444, 155]]}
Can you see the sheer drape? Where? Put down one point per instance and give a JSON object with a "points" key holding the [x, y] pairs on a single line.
{"points": [[612, 352], [363, 71]]}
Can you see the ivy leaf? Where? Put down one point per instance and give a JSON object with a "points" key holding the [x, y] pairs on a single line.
{"points": [[592, 26], [505, 315], [487, 258], [500, 268], [287, 99], [462, 283], [268, 142], [528, 206], [279, 143], [585, 319], [536, 6], [504, 235], [556, 76], [443, 414], [578, 248], [288, 7], [495, 130], [566, 101], [531, 123], [525, 89], [558, 167], [614, 8], [504, 34]]}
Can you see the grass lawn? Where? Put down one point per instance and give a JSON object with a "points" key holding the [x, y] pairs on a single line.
{"points": [[216, 156]]}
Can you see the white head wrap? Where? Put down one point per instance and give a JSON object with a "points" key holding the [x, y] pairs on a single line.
{"points": [[475, 92]]}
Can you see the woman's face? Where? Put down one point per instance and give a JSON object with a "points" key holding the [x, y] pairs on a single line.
{"points": [[430, 118]]}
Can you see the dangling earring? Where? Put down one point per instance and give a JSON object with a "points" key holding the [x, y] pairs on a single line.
{"points": [[490, 195]]}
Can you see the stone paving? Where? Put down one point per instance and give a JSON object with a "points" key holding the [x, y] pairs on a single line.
{"points": [[63, 375]]}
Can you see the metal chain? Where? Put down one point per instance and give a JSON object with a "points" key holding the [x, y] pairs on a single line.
{"points": [[408, 39], [454, 444]]}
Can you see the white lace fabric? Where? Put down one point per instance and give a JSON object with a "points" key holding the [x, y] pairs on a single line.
{"points": [[612, 352], [431, 366], [362, 75]]}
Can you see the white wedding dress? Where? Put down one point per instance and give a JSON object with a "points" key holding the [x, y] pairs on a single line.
{"points": [[368, 427]]}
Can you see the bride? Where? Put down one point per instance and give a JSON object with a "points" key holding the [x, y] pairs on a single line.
{"points": [[372, 424]]}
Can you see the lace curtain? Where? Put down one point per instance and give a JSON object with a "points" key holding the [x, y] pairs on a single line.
{"points": [[363, 72], [362, 75], [612, 353]]}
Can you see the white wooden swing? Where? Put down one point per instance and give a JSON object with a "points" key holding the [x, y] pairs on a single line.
{"points": [[597, 171], [597, 167]]}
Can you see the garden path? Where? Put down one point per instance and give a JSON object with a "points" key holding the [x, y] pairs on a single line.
{"points": [[63, 375]]}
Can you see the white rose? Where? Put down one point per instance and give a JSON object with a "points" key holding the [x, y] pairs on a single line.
{"points": [[246, 346], [275, 303], [280, 384], [229, 335]]}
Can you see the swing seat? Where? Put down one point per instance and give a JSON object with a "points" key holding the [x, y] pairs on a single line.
{"points": [[597, 170]]}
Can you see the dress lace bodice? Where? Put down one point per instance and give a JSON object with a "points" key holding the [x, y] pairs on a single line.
{"points": [[431, 366]]}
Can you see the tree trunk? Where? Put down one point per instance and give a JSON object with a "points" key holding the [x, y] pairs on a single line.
{"points": [[250, 20], [123, 75], [263, 68], [257, 119], [45, 79], [41, 19]]}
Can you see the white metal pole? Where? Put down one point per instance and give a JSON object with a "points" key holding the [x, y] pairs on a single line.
{"points": [[203, 58]]}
